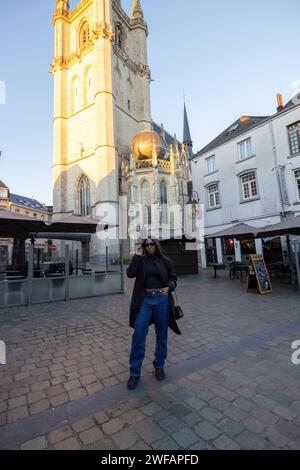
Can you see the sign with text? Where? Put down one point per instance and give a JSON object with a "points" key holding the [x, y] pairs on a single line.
{"points": [[258, 277]]}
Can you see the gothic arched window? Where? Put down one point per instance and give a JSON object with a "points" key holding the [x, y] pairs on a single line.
{"points": [[84, 196], [146, 202], [163, 196], [119, 37], [84, 35], [88, 86], [75, 101]]}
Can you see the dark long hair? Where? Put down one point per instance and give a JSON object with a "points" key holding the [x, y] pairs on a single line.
{"points": [[158, 249]]}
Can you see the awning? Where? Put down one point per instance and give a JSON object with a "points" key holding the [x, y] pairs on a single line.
{"points": [[239, 231], [14, 225], [290, 225], [80, 237], [77, 224]]}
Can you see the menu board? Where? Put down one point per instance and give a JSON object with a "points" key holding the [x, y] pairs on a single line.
{"points": [[258, 277]]}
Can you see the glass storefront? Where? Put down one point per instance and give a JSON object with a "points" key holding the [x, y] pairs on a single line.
{"points": [[211, 250], [272, 250]]}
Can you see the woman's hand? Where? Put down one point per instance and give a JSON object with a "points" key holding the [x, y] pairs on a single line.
{"points": [[139, 250], [165, 290]]}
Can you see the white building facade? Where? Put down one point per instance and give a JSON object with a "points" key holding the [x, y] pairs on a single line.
{"points": [[249, 174]]}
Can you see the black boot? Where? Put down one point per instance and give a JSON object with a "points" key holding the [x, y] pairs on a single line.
{"points": [[132, 382], [160, 374]]}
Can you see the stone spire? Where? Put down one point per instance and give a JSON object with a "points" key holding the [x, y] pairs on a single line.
{"points": [[62, 7], [187, 140], [137, 11], [64, 4]]}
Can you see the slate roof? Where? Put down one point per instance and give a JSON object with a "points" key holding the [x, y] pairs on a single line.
{"points": [[239, 127], [27, 202], [169, 139]]}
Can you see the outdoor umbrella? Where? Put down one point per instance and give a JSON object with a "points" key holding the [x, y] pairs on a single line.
{"points": [[76, 224], [80, 237], [14, 225], [239, 231], [288, 226]]}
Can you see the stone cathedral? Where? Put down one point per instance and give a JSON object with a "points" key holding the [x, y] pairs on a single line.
{"points": [[105, 141]]}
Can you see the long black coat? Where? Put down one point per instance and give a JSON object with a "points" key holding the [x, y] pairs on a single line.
{"points": [[168, 278]]}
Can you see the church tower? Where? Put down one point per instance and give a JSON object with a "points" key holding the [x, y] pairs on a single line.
{"points": [[101, 100]]}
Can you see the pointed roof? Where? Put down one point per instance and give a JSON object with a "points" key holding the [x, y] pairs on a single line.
{"points": [[137, 11], [2, 185], [241, 126], [238, 127], [186, 128], [167, 138]]}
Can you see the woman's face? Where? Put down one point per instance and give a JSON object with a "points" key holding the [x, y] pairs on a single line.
{"points": [[150, 247]]}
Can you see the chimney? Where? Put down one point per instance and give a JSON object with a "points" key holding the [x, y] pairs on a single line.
{"points": [[279, 102]]}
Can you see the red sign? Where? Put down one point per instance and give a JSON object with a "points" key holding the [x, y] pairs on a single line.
{"points": [[53, 247]]}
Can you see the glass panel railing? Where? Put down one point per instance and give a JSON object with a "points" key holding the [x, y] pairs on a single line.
{"points": [[13, 292], [49, 289], [96, 284], [47, 280]]}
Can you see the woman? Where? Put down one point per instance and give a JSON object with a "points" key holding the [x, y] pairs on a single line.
{"points": [[152, 302]]}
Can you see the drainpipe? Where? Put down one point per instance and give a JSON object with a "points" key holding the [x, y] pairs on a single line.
{"points": [[282, 214], [276, 168]]}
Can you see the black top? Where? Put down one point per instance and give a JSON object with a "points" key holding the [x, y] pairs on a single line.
{"points": [[136, 270], [152, 274]]}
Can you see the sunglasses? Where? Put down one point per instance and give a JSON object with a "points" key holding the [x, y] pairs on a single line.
{"points": [[149, 244]]}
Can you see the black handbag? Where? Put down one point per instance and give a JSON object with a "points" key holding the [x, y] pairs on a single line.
{"points": [[178, 310]]}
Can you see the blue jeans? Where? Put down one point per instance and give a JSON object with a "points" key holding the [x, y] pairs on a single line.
{"points": [[155, 304]]}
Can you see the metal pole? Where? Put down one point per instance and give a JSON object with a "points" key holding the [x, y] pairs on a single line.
{"points": [[122, 267], [297, 265], [106, 258], [30, 274], [67, 271], [290, 260], [279, 182], [77, 262]]}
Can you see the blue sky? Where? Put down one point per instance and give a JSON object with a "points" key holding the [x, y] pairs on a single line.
{"points": [[228, 57]]}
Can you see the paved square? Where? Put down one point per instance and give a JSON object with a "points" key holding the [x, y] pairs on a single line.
{"points": [[230, 380]]}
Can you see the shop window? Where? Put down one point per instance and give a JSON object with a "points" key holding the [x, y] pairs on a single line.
{"points": [[272, 250], [211, 250], [228, 246], [248, 247]]}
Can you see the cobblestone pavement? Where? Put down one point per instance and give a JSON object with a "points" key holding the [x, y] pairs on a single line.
{"points": [[230, 380]]}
